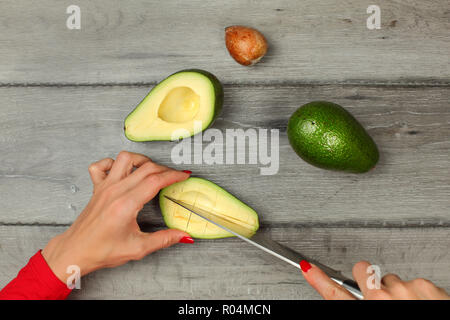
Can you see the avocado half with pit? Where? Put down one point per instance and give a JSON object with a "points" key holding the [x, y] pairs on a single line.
{"points": [[183, 104], [203, 194]]}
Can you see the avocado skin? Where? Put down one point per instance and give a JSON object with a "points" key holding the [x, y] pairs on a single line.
{"points": [[218, 103], [327, 136]]}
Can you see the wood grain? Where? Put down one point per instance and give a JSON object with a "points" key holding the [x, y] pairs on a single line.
{"points": [[49, 136], [64, 95], [230, 269], [144, 41]]}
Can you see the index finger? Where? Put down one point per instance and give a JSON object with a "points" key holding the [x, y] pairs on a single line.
{"points": [[149, 187], [98, 170], [124, 164], [360, 273], [326, 287]]}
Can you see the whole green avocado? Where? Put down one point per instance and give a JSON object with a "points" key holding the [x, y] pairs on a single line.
{"points": [[327, 136]]}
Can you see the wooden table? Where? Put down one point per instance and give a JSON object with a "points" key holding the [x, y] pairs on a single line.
{"points": [[65, 93]]}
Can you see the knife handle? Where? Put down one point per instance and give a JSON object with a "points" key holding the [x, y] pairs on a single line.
{"points": [[351, 286], [339, 278]]}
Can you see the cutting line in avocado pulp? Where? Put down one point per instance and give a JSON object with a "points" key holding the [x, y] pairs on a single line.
{"points": [[220, 216], [190, 215], [211, 211], [214, 219], [207, 196]]}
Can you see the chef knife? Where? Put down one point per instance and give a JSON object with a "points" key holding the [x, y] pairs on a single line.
{"points": [[268, 245]]}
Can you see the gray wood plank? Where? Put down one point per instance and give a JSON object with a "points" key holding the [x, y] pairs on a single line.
{"points": [[49, 136], [144, 41], [230, 269]]}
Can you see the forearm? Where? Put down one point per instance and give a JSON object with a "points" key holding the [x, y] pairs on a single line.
{"points": [[35, 281]]}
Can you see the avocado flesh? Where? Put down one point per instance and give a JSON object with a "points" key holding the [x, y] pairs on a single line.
{"points": [[180, 106], [326, 135], [210, 197]]}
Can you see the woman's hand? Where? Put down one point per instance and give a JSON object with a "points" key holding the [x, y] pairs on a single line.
{"points": [[106, 233], [391, 286]]}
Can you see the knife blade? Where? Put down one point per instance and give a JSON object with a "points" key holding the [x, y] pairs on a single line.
{"points": [[268, 245]]}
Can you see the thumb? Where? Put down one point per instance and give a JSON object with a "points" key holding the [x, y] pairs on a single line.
{"points": [[326, 287], [163, 239]]}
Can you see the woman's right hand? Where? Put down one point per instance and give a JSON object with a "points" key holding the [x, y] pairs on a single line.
{"points": [[391, 286]]}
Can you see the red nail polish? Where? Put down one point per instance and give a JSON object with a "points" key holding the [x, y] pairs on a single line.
{"points": [[186, 240], [305, 265], [187, 171]]}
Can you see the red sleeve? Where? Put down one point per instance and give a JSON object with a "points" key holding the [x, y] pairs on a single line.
{"points": [[36, 281]]}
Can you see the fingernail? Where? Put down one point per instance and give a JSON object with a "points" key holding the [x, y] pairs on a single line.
{"points": [[187, 171], [305, 265], [186, 240]]}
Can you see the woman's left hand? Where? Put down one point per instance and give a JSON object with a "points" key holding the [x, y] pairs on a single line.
{"points": [[106, 233]]}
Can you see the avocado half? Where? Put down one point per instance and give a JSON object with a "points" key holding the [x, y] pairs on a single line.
{"points": [[183, 104], [327, 136], [227, 209]]}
